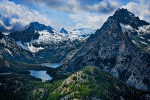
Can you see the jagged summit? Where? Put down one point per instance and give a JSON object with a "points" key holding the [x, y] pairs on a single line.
{"points": [[39, 27], [30, 32], [126, 17], [112, 49], [113, 23], [63, 31]]}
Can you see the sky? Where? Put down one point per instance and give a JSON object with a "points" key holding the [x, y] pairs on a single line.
{"points": [[69, 14]]}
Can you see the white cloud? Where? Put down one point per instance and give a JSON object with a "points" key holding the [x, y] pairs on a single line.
{"points": [[82, 14], [141, 9], [88, 20], [15, 16]]}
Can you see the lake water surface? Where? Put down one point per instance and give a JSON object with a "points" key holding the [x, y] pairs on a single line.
{"points": [[40, 74]]}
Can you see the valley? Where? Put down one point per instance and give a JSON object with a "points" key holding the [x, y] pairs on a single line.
{"points": [[109, 63]]}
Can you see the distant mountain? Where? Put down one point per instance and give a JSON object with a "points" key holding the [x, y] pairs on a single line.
{"points": [[35, 36], [39, 27], [63, 31], [112, 49], [47, 44], [30, 32], [83, 32]]}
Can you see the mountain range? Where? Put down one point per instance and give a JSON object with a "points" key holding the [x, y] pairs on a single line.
{"points": [[113, 50], [112, 62]]}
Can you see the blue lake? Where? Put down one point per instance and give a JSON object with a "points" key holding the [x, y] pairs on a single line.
{"points": [[40, 74]]}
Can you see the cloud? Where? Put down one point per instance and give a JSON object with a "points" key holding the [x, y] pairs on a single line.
{"points": [[96, 20], [14, 17], [74, 13], [74, 6], [140, 9], [84, 13], [104, 6], [94, 15], [88, 20]]}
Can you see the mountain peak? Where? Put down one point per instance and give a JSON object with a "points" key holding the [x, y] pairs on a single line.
{"points": [[39, 27], [63, 31], [35, 23], [122, 10], [126, 17], [112, 50]]}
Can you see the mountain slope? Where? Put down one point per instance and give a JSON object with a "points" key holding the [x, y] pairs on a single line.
{"points": [[112, 50], [30, 32], [93, 84], [35, 36], [10, 51], [48, 45]]}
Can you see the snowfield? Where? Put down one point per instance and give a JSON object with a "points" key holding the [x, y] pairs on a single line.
{"points": [[46, 37]]}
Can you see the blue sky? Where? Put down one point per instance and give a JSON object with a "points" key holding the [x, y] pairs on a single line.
{"points": [[70, 14]]}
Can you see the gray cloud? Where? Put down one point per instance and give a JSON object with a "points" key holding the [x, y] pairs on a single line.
{"points": [[73, 6], [105, 6]]}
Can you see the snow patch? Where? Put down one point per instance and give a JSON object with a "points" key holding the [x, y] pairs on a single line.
{"points": [[22, 46], [77, 34], [9, 51], [143, 42], [125, 27], [145, 29], [134, 41], [80, 34], [33, 49], [46, 37], [141, 29], [142, 37], [29, 47]]}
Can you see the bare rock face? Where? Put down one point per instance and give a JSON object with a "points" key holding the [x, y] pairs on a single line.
{"points": [[112, 49], [10, 51]]}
